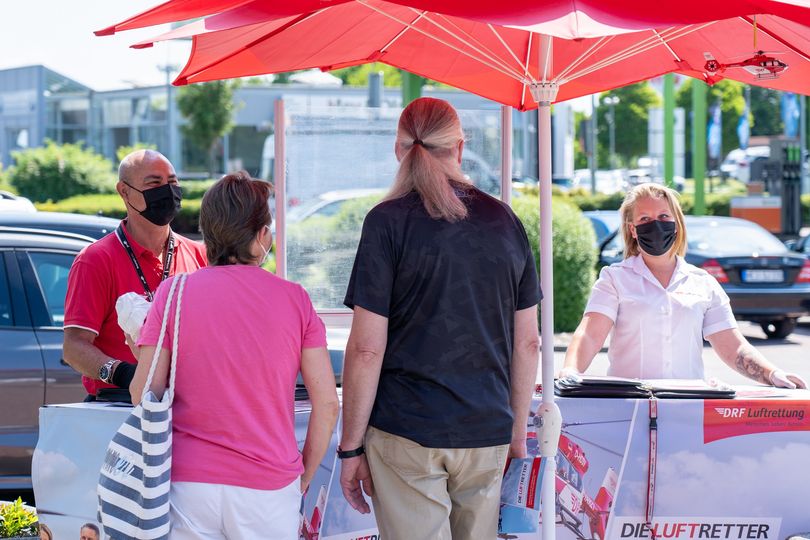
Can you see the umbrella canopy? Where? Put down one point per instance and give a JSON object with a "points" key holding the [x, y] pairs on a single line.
{"points": [[497, 62], [570, 19]]}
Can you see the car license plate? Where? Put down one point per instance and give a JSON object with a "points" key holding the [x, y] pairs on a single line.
{"points": [[763, 276]]}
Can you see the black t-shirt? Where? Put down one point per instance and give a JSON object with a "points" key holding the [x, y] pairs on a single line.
{"points": [[450, 292]]}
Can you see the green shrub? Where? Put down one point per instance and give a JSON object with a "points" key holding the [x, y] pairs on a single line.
{"points": [[574, 256], [195, 189], [110, 205], [18, 521], [187, 221], [5, 183], [600, 201], [124, 151], [56, 172]]}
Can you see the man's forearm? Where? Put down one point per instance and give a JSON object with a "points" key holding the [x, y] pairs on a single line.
{"points": [[84, 357], [523, 376], [361, 375]]}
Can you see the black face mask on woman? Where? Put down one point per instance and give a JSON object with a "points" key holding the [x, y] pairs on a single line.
{"points": [[656, 237], [162, 203]]}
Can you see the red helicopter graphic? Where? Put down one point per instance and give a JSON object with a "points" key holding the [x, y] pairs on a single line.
{"points": [[762, 66], [574, 507]]}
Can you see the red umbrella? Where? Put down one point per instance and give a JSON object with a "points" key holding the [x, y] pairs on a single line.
{"points": [[496, 62], [456, 42]]}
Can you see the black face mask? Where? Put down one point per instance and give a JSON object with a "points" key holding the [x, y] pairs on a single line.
{"points": [[162, 203], [656, 237]]}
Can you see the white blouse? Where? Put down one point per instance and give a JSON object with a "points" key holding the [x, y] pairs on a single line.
{"points": [[658, 332]]}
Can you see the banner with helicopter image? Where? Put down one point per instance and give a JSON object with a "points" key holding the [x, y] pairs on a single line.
{"points": [[593, 444], [726, 469]]}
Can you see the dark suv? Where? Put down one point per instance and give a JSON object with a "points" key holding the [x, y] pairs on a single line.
{"points": [[93, 226], [34, 267]]}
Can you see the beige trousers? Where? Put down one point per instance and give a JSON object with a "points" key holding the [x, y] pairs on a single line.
{"points": [[434, 493]]}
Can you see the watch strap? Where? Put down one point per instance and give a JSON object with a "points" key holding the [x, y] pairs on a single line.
{"points": [[346, 454]]}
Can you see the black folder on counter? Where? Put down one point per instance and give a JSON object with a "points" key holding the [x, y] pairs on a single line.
{"points": [[619, 387]]}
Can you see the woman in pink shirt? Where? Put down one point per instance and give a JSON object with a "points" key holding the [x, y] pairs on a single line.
{"points": [[244, 336]]}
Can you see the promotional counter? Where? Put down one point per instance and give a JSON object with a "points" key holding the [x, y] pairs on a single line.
{"points": [[725, 469]]}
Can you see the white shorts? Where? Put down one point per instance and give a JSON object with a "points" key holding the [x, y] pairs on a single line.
{"points": [[216, 511]]}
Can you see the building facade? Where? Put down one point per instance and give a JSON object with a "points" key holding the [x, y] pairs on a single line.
{"points": [[37, 103]]}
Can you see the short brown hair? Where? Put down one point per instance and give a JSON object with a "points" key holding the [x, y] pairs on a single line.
{"points": [[232, 212]]}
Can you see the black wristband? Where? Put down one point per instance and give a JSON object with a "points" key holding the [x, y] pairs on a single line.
{"points": [[346, 454], [123, 374]]}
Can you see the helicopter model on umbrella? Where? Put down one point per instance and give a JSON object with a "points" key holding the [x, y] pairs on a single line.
{"points": [[761, 65]]}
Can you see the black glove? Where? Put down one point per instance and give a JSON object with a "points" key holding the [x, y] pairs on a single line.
{"points": [[123, 375]]}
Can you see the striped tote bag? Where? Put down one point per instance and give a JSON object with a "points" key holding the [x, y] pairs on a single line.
{"points": [[133, 487]]}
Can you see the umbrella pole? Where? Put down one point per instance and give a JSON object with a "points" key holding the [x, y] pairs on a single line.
{"points": [[549, 419]]}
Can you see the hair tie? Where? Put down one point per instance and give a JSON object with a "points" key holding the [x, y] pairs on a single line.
{"points": [[419, 142]]}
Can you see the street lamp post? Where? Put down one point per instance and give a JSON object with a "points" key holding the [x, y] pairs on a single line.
{"points": [[612, 101], [171, 121]]}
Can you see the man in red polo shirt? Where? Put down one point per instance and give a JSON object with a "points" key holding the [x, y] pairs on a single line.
{"points": [[136, 257]]}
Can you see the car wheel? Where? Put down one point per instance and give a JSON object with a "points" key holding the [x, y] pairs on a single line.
{"points": [[778, 329]]}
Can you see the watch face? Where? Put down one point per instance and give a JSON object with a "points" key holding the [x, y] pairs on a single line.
{"points": [[104, 373]]}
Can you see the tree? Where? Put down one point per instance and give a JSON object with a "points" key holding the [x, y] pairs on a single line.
{"points": [[766, 112], [209, 109], [732, 104], [631, 122]]}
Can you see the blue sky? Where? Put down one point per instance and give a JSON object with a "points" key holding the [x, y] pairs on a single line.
{"points": [[60, 35]]}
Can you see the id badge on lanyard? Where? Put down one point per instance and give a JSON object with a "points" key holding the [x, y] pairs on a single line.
{"points": [[167, 262]]}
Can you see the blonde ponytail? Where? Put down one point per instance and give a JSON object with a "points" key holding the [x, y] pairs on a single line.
{"points": [[428, 134]]}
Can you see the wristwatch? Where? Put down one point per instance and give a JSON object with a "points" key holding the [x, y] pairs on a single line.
{"points": [[105, 372]]}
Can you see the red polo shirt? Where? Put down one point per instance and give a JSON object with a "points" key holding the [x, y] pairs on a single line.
{"points": [[101, 273]]}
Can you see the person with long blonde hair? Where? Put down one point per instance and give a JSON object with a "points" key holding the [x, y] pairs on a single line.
{"points": [[658, 308], [442, 356]]}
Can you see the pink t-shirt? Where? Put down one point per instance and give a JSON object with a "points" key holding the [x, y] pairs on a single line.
{"points": [[241, 334]]}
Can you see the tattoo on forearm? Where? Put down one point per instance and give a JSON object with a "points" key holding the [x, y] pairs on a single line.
{"points": [[748, 363]]}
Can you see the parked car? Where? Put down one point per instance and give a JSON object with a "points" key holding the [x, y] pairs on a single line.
{"points": [[767, 283], [802, 245], [93, 226], [14, 203], [34, 266], [737, 163], [605, 223], [329, 204]]}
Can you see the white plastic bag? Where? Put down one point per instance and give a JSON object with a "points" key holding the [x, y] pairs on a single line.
{"points": [[132, 309]]}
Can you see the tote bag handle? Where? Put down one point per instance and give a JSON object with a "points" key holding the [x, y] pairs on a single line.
{"points": [[178, 284]]}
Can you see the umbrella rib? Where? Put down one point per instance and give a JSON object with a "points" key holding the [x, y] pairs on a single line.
{"points": [[664, 41], [402, 32], [777, 38], [509, 50], [474, 43], [526, 77], [638, 48], [488, 62], [584, 56], [491, 54]]}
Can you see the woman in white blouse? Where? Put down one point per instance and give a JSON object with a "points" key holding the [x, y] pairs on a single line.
{"points": [[659, 307]]}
